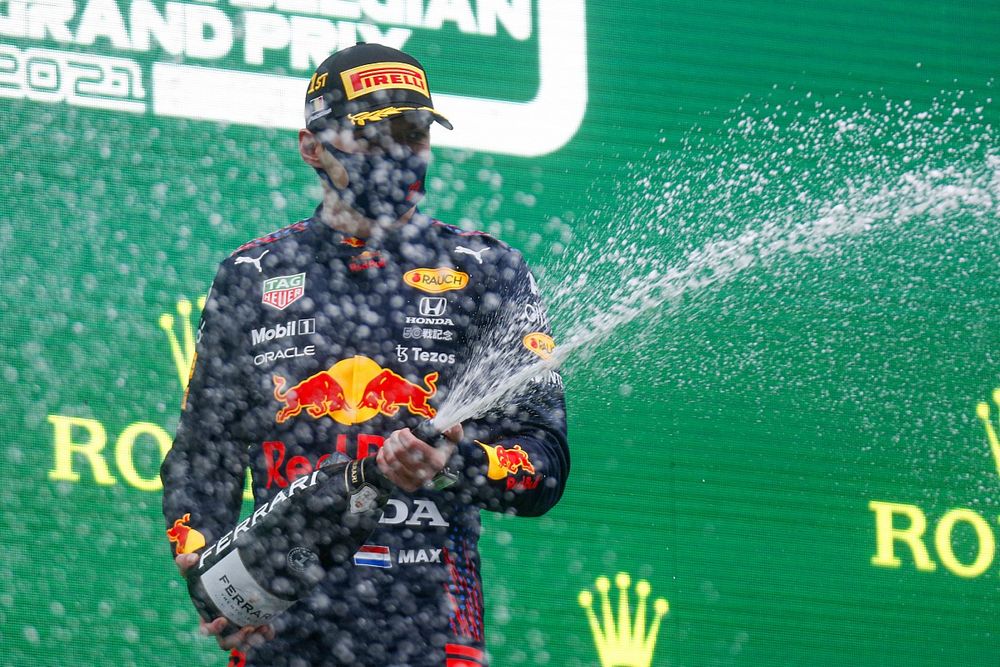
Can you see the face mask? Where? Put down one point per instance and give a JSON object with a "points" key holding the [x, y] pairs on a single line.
{"points": [[382, 185]]}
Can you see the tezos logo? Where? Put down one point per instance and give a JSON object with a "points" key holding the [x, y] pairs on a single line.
{"points": [[419, 354]]}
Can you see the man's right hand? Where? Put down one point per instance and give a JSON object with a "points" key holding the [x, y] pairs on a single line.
{"points": [[409, 462], [248, 636]]}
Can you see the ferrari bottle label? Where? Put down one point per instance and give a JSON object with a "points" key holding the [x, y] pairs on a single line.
{"points": [[237, 595]]}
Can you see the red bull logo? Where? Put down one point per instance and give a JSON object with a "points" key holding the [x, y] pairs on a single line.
{"points": [[318, 395], [506, 461], [388, 391], [366, 260], [281, 472], [188, 539], [353, 391], [515, 459]]}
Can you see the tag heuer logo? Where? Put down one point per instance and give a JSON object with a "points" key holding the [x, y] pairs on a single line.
{"points": [[283, 291]]}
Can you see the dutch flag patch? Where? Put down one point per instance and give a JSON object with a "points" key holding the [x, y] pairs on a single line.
{"points": [[372, 555]]}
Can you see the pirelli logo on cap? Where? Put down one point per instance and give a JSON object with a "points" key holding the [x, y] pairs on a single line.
{"points": [[380, 76]]}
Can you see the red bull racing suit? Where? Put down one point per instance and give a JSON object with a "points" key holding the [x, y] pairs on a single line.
{"points": [[313, 342]]}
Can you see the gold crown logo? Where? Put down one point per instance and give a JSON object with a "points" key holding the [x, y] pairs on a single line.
{"points": [[183, 356], [623, 644], [983, 412]]}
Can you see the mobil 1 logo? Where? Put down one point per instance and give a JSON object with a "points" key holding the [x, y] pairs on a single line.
{"points": [[283, 330]]}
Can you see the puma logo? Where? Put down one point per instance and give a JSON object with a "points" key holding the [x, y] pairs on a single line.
{"points": [[253, 260], [478, 254]]}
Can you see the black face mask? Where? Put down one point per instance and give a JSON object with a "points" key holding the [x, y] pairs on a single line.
{"points": [[382, 184]]}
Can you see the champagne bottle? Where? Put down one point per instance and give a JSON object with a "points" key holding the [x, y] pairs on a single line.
{"points": [[278, 554], [429, 433]]}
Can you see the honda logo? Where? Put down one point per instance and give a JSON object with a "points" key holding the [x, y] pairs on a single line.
{"points": [[432, 306]]}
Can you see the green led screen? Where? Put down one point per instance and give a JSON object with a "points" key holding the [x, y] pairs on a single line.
{"points": [[792, 459]]}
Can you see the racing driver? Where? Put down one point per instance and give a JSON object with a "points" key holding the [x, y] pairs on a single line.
{"points": [[340, 333]]}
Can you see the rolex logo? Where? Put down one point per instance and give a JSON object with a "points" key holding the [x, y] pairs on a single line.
{"points": [[623, 643], [183, 353], [983, 412]]}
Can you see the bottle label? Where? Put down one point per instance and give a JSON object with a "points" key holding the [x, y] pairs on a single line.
{"points": [[237, 595], [364, 499]]}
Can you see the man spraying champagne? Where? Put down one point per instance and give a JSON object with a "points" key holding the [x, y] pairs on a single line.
{"points": [[319, 339]]}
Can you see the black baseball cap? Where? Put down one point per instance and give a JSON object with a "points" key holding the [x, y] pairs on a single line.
{"points": [[367, 83]]}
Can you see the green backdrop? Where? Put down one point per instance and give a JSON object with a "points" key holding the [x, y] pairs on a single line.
{"points": [[800, 460]]}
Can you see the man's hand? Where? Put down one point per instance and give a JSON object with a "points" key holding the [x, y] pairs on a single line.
{"points": [[249, 636], [409, 463]]}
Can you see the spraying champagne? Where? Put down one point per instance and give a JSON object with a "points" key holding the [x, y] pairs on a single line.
{"points": [[284, 549]]}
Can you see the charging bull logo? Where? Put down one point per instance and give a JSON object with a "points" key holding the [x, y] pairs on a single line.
{"points": [[387, 391], [319, 395], [188, 539], [353, 391], [505, 461]]}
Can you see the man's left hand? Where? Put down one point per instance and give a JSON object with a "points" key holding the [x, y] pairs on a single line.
{"points": [[409, 463]]}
